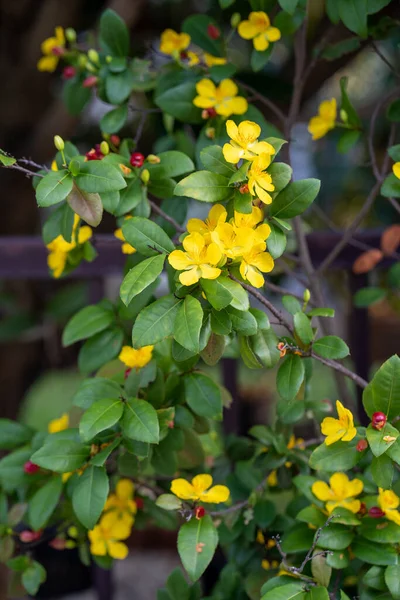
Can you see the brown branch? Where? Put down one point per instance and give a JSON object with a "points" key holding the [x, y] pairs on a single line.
{"points": [[27, 172], [155, 208], [263, 100], [341, 369]]}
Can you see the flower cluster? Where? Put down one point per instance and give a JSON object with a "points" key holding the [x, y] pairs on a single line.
{"points": [[200, 489], [59, 248], [223, 98], [52, 48], [214, 243], [258, 28]]}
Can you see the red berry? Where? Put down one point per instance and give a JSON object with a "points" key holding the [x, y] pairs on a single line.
{"points": [[115, 139], [95, 153], [139, 503], [30, 468], [378, 420], [137, 159], [362, 445], [69, 72], [213, 32], [90, 81], [199, 512], [375, 512]]}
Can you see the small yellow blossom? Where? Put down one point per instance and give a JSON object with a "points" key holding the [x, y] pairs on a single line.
{"points": [[267, 565], [272, 479], [106, 537], [125, 248], [254, 263], [198, 261], [216, 216], [193, 58], [121, 502], [396, 169], [389, 502], [325, 120], [60, 424], [223, 99], [59, 248], [172, 43], [258, 28], [136, 359], [212, 61], [260, 182], [260, 539], [341, 428], [200, 489], [340, 493], [244, 142], [294, 443], [52, 48]]}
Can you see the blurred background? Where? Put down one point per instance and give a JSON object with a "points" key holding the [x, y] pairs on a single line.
{"points": [[37, 376]]}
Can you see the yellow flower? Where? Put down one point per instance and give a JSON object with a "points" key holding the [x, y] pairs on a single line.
{"points": [[258, 28], [340, 493], [260, 182], [212, 61], [267, 565], [58, 424], [136, 359], [52, 49], [260, 539], [59, 247], [200, 489], [244, 142], [54, 166], [193, 58], [223, 98], [294, 443], [216, 216], [272, 479], [173, 43], [232, 243], [324, 121], [248, 220], [106, 537], [341, 428], [198, 261], [121, 503], [396, 169], [255, 262], [389, 503], [126, 248]]}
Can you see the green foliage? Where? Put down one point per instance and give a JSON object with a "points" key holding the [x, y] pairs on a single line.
{"points": [[192, 534], [90, 495]]}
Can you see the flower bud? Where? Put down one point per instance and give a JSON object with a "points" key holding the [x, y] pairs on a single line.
{"points": [[73, 532], [108, 59], [208, 113], [136, 159], [199, 512], [30, 468], [306, 295], [82, 61], [343, 115], [90, 81], [69, 72], [375, 512], [213, 32], [115, 139], [91, 68], [125, 170], [244, 189], [210, 133], [28, 536], [104, 148], [235, 20], [58, 543], [93, 56], [70, 34], [153, 159], [59, 142], [362, 445], [145, 176], [378, 420], [70, 544]]}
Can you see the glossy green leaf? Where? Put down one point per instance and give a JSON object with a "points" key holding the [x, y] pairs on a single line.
{"points": [[146, 236], [212, 159], [335, 537], [33, 577], [340, 456], [119, 86], [303, 329], [373, 553], [140, 277], [264, 345], [382, 469], [240, 298], [86, 323], [291, 591], [102, 415], [331, 346], [114, 34], [140, 421], [276, 241], [13, 434], [370, 295], [290, 376], [205, 186], [196, 26], [43, 503], [291, 304], [221, 322], [354, 13], [295, 198], [100, 349], [114, 120], [203, 395], [96, 388], [90, 495], [281, 175], [155, 322], [242, 321], [188, 324], [392, 579], [96, 176], [217, 294], [191, 534], [376, 439], [53, 188], [172, 164], [380, 531], [61, 456], [383, 392]]}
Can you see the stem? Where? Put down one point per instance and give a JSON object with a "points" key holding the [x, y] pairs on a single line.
{"points": [[155, 208], [263, 100]]}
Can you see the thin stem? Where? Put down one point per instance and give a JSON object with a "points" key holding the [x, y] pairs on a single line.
{"points": [[339, 367], [155, 208], [27, 172], [385, 60], [140, 128], [263, 100]]}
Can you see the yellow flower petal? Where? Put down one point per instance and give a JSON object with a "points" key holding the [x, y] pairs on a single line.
{"points": [[205, 87], [260, 42], [253, 276], [179, 260], [227, 87], [321, 490], [396, 169], [194, 244], [213, 254], [263, 148], [190, 277], [98, 548], [247, 30], [328, 109], [216, 495], [204, 102], [117, 550], [183, 489], [208, 272], [232, 154], [202, 482], [318, 127], [273, 34], [237, 106], [124, 489], [60, 424], [232, 129], [47, 64], [85, 233]]}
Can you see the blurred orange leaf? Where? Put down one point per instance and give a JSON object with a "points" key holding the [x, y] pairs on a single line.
{"points": [[367, 261], [390, 239]]}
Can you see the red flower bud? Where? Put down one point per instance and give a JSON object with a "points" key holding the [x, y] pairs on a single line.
{"points": [[30, 468], [90, 81], [244, 189], [375, 512], [199, 512], [69, 72], [211, 113], [136, 159], [378, 420], [213, 32], [115, 139], [362, 445], [94, 153], [126, 374], [27, 536], [139, 503]]}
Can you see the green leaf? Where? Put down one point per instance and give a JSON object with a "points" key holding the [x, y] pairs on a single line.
{"points": [[88, 206], [114, 120], [43, 503], [168, 502], [96, 176], [119, 86], [264, 513], [295, 198], [114, 34], [347, 140], [317, 593], [321, 570], [212, 158], [99, 459], [369, 296], [61, 456], [288, 5], [146, 236], [76, 96], [394, 152], [196, 27], [290, 376], [354, 13], [203, 395], [298, 539], [291, 591], [90, 495], [376, 438], [380, 531], [140, 421], [155, 322], [102, 415], [178, 587], [188, 323], [13, 434], [172, 164], [264, 345], [321, 312], [221, 322], [392, 580], [247, 353], [205, 186], [242, 321], [217, 294], [175, 95], [240, 298], [258, 60], [346, 105], [291, 304], [340, 456], [6, 160], [383, 392], [382, 469], [374, 554], [276, 241], [335, 537], [162, 188], [214, 350], [375, 6], [391, 187], [335, 51], [100, 349], [140, 277], [60, 222], [53, 188], [86, 323], [331, 346], [33, 577], [303, 329], [197, 531], [375, 578], [96, 388]]}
